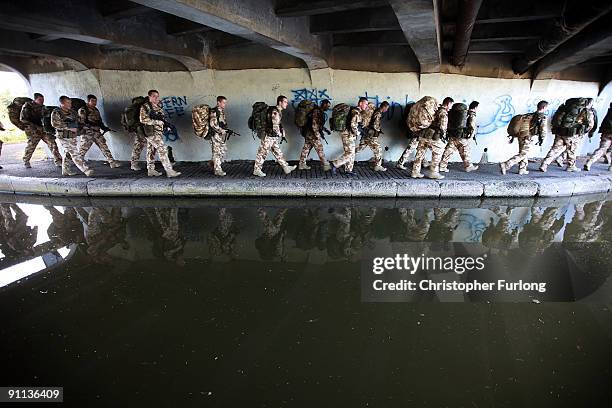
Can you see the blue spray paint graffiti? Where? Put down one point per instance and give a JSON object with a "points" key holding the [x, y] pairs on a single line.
{"points": [[173, 106], [314, 94], [474, 225], [394, 106], [502, 116]]}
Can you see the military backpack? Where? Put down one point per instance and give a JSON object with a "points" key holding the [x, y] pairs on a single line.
{"points": [[260, 119], [340, 117], [303, 112], [130, 118], [565, 119], [422, 113], [200, 116], [457, 120], [78, 103], [606, 123], [14, 111], [46, 119]]}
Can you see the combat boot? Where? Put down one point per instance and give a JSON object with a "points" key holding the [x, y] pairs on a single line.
{"points": [[153, 173], [503, 168], [89, 172], [435, 175], [443, 170], [220, 173], [289, 169], [172, 173], [259, 173], [58, 163], [572, 169], [303, 166], [27, 165], [586, 167], [326, 166], [135, 166], [114, 164], [401, 166], [523, 171], [543, 167], [471, 168], [379, 168], [417, 175], [69, 173]]}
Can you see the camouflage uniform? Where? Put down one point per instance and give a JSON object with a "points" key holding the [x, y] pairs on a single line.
{"points": [[222, 240], [312, 137], [414, 142], [67, 139], [166, 223], [271, 242], [586, 225], [500, 236], [348, 142], [154, 132], [370, 140], [270, 142], [1, 130], [217, 124], [66, 228], [585, 118], [431, 138], [140, 142], [31, 116], [460, 144], [604, 144], [524, 143], [92, 122], [416, 231], [539, 233], [19, 238], [103, 228]]}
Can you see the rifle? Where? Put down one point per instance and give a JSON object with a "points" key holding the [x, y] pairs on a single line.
{"points": [[324, 130], [282, 134], [169, 128], [230, 132]]}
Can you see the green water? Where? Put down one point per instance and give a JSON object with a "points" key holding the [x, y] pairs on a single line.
{"points": [[258, 303]]}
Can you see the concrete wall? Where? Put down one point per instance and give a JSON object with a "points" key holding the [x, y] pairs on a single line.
{"points": [[500, 99]]}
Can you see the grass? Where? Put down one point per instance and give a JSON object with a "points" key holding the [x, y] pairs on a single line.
{"points": [[13, 136]]}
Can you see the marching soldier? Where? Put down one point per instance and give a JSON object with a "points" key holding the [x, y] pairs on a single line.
{"points": [[270, 139], [432, 138], [347, 159], [31, 117], [312, 136], [1, 130], [538, 118], [412, 145], [461, 143], [92, 127], [271, 243], [373, 130], [66, 123], [605, 142], [152, 117], [218, 124]]}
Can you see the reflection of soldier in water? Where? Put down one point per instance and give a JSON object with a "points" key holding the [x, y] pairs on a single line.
{"points": [[15, 235], [414, 230], [311, 231], [66, 228], [498, 236], [362, 228], [222, 240], [586, 226], [271, 242], [103, 228], [340, 238], [168, 240], [539, 233], [443, 225]]}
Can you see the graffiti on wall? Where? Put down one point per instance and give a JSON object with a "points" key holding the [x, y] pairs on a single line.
{"points": [[500, 118], [313, 94], [174, 107]]}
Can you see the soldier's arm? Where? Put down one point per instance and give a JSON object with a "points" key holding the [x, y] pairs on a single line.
{"points": [[214, 123], [317, 119], [276, 122], [145, 118], [471, 123], [443, 120], [57, 121], [355, 121], [376, 121], [25, 114], [542, 128]]}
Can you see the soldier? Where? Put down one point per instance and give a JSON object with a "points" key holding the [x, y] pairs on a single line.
{"points": [[269, 141], [140, 142], [586, 121], [605, 142], [312, 136], [539, 233], [271, 243], [432, 138], [461, 142], [218, 125], [222, 240], [348, 139], [412, 145], [151, 116], [373, 130], [538, 120], [31, 117], [66, 124], [17, 236], [1, 130], [92, 126]]}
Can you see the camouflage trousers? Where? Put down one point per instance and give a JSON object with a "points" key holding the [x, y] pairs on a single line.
{"points": [[268, 144], [561, 144], [94, 136], [35, 135], [219, 149], [437, 148], [71, 155], [521, 158], [414, 142], [347, 159], [374, 145], [604, 144], [312, 142], [462, 145], [139, 144], [155, 142]]}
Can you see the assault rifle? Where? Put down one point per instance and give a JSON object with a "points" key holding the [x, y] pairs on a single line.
{"points": [[324, 130], [169, 127], [229, 133]]}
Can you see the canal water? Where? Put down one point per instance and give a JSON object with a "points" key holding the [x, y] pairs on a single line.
{"points": [[258, 302]]}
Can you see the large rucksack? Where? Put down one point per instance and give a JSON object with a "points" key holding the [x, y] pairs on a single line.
{"points": [[366, 114], [565, 119], [46, 119], [340, 117], [130, 118], [200, 116], [258, 121], [403, 120], [303, 112], [14, 110], [457, 120], [606, 123], [520, 125], [422, 113], [78, 103]]}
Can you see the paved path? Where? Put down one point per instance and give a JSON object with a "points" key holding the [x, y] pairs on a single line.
{"points": [[198, 180]]}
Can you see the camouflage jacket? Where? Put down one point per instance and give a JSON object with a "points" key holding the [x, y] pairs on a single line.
{"points": [[91, 118], [375, 121], [31, 114], [540, 126], [63, 120], [318, 120], [151, 126], [471, 126], [217, 120], [440, 121], [355, 122], [276, 118]]}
